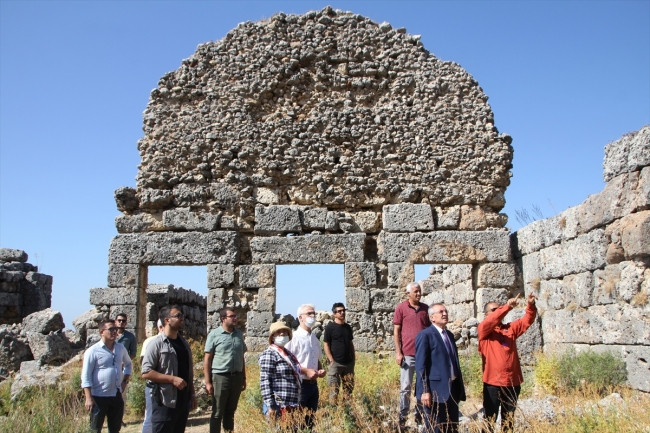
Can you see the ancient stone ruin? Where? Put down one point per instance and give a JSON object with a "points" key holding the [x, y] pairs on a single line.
{"points": [[326, 138], [23, 290]]}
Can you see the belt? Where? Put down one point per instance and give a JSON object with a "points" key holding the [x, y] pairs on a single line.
{"points": [[229, 373], [311, 381]]}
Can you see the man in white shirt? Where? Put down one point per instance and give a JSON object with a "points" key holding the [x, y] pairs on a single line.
{"points": [[105, 373], [306, 347]]}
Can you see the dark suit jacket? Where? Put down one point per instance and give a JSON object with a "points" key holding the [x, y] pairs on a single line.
{"points": [[432, 369]]}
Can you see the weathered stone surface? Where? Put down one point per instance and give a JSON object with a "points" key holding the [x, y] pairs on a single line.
{"points": [[43, 322], [32, 375], [308, 249], [112, 296], [314, 218], [385, 299], [53, 348], [638, 368], [444, 247], [126, 199], [215, 299], [496, 275], [122, 275], [258, 324], [368, 222], [627, 154], [190, 248], [276, 219], [635, 235], [584, 253], [14, 348], [447, 218], [138, 223], [357, 299], [266, 299], [88, 320], [400, 274], [360, 274], [485, 295], [601, 324], [183, 219], [407, 217], [220, 275], [472, 218], [13, 255], [256, 276]]}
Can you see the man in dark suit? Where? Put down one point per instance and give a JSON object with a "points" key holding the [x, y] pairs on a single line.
{"points": [[439, 382]]}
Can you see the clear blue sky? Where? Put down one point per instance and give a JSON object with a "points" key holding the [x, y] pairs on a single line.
{"points": [[564, 78]]}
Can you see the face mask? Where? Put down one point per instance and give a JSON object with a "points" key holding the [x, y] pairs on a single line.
{"points": [[281, 340], [309, 321]]}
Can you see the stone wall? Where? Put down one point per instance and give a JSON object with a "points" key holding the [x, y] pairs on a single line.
{"points": [[23, 290], [322, 138], [110, 302], [590, 265]]}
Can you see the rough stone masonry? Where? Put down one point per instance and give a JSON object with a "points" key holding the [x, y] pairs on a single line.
{"points": [[322, 138]]}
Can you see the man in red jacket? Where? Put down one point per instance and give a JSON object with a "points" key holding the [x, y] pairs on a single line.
{"points": [[502, 377]]}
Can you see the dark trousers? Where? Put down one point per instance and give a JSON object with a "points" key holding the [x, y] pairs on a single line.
{"points": [[170, 419], [227, 388], [309, 401], [504, 397], [340, 375], [111, 408], [440, 417]]}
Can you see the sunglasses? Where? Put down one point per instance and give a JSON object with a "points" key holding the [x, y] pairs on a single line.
{"points": [[340, 311], [120, 320], [111, 329], [492, 309], [177, 316]]}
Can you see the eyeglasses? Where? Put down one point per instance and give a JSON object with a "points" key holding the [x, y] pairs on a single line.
{"points": [[441, 312], [342, 310], [231, 316], [120, 320], [177, 316], [111, 329], [492, 309], [311, 313]]}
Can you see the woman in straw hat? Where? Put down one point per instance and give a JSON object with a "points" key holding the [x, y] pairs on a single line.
{"points": [[280, 375]]}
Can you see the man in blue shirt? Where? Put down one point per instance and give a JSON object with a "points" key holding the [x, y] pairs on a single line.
{"points": [[106, 371]]}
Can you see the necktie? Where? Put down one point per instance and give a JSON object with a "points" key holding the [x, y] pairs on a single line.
{"points": [[450, 352]]}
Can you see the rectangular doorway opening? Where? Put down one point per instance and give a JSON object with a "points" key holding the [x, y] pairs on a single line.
{"points": [[320, 285]]}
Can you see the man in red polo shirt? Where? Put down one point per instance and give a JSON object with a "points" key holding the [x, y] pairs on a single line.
{"points": [[502, 377], [410, 318]]}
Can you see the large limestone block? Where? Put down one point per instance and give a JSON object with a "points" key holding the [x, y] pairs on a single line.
{"points": [[175, 248], [360, 274], [12, 255], [138, 223], [44, 321], [485, 295], [112, 296], [620, 197], [629, 153], [408, 217], [221, 275], [537, 235], [400, 274], [258, 323], [357, 299], [14, 348], [444, 247], [215, 299], [308, 249], [385, 299], [459, 292], [496, 275], [266, 299], [277, 219], [123, 275], [367, 222], [638, 368], [635, 235], [585, 253], [183, 219], [453, 274], [53, 348], [256, 276], [447, 218]]}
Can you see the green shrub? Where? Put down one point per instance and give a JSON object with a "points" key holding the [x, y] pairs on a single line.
{"points": [[471, 365], [135, 396], [601, 371], [546, 372]]}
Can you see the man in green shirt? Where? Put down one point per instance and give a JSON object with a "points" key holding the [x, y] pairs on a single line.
{"points": [[224, 370]]}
